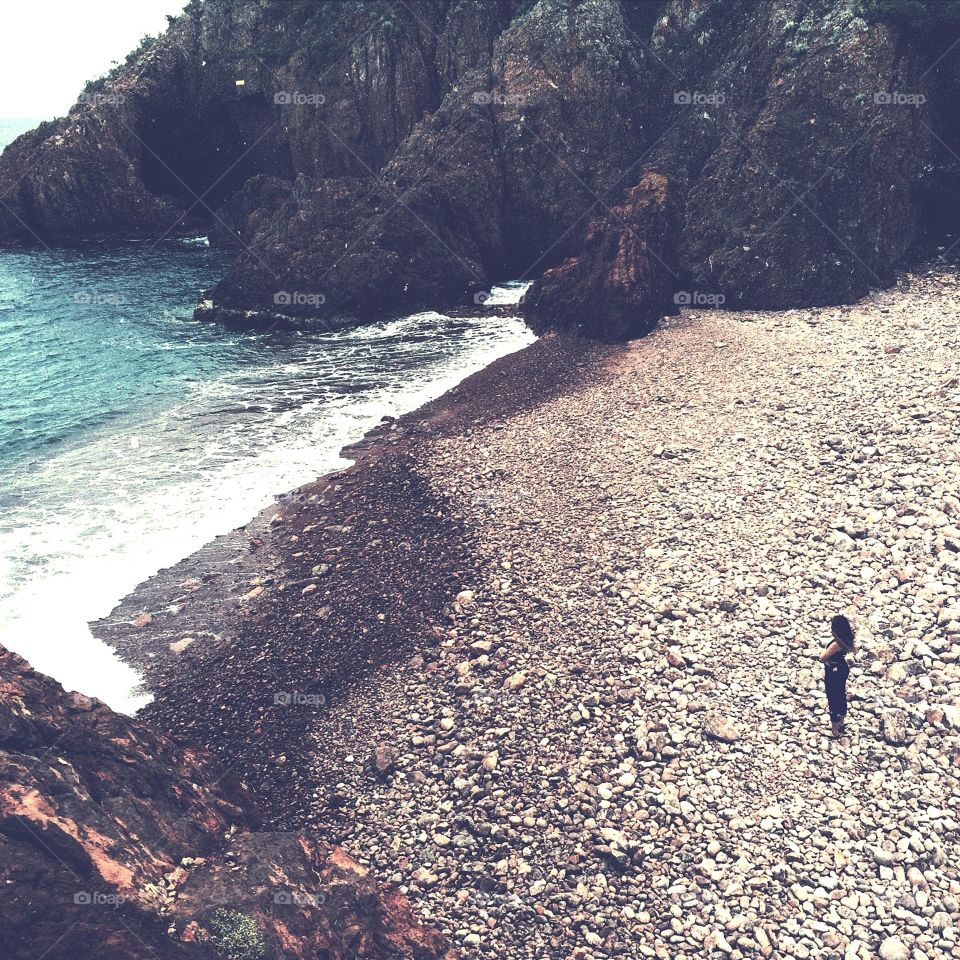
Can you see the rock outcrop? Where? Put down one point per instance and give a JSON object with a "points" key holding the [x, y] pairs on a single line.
{"points": [[380, 157], [118, 842], [623, 281]]}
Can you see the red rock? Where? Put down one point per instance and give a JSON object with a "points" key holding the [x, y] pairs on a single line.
{"points": [[384, 760], [101, 818], [622, 282]]}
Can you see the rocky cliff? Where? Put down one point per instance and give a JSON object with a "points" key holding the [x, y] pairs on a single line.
{"points": [[373, 156], [116, 842]]}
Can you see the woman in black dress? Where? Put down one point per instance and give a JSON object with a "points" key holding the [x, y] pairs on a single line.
{"points": [[836, 670]]}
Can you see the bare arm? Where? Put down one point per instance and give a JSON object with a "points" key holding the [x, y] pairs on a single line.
{"points": [[830, 651]]}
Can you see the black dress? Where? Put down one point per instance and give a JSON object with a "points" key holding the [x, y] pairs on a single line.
{"points": [[835, 673]]}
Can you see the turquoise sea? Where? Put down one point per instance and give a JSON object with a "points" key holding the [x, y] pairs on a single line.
{"points": [[130, 435]]}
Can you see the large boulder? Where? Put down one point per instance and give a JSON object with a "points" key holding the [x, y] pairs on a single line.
{"points": [[118, 842], [809, 194], [623, 280], [427, 230]]}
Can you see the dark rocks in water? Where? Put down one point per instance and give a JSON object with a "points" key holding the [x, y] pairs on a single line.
{"points": [[623, 281], [381, 157], [117, 841]]}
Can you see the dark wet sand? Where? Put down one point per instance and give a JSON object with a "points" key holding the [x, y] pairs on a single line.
{"points": [[342, 577]]}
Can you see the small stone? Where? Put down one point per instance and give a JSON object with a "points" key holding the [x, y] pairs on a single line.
{"points": [[940, 921], [883, 858], [515, 681], [422, 877], [675, 658], [893, 948], [896, 728], [178, 646], [384, 760], [949, 615], [720, 728], [717, 941]]}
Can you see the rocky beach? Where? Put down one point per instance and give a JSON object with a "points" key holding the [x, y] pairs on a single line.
{"points": [[537, 675], [607, 734]]}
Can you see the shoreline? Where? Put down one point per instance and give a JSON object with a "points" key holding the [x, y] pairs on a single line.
{"points": [[559, 680], [189, 432], [298, 579]]}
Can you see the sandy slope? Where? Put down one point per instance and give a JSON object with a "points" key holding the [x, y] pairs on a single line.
{"points": [[661, 549]]}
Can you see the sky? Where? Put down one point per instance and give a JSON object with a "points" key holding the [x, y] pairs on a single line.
{"points": [[50, 48]]}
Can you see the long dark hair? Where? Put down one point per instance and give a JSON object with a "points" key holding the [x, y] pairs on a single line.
{"points": [[842, 631]]}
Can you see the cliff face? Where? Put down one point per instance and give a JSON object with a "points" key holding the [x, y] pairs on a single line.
{"points": [[117, 842], [622, 282], [372, 156]]}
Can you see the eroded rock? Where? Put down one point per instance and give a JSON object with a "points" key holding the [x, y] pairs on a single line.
{"points": [[120, 842], [623, 281]]}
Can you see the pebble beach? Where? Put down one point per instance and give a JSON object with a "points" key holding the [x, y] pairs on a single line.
{"points": [[595, 726]]}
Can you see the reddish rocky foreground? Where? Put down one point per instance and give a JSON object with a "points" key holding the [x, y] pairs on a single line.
{"points": [[118, 842]]}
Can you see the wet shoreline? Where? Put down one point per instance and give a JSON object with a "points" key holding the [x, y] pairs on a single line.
{"points": [[246, 643]]}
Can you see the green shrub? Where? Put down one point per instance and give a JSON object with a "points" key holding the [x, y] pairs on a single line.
{"points": [[235, 935], [97, 84]]}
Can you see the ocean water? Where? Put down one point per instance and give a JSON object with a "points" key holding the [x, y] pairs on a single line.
{"points": [[131, 435], [12, 127]]}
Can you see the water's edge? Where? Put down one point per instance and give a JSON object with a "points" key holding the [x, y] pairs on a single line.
{"points": [[184, 450], [197, 597], [95, 667]]}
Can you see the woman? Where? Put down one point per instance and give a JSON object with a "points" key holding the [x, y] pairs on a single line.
{"points": [[836, 671]]}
